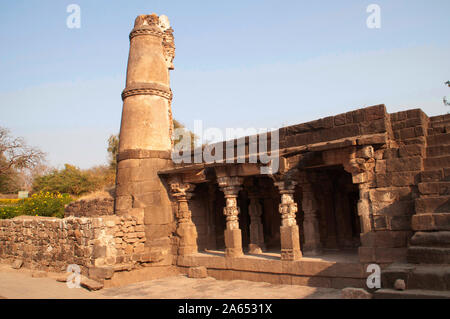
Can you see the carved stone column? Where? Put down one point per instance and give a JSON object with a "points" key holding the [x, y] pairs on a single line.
{"points": [[312, 245], [233, 235], [256, 245], [361, 166], [289, 234], [186, 229]]}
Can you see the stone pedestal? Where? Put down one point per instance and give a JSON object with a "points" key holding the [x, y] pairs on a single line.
{"points": [[233, 243], [233, 237], [290, 243], [289, 233]]}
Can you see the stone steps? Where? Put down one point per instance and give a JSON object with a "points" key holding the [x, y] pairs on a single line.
{"points": [[430, 222], [417, 277], [429, 255], [410, 294], [438, 139], [431, 239], [433, 204], [435, 175], [438, 151], [434, 188], [436, 162]]}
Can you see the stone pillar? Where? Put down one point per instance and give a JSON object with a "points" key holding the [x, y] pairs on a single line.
{"points": [[256, 245], [289, 234], [328, 194], [186, 229], [312, 245], [145, 132], [233, 236], [211, 217]]}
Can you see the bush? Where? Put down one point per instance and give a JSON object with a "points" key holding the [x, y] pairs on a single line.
{"points": [[40, 204], [70, 180]]}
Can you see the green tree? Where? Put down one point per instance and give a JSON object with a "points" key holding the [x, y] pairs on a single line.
{"points": [[70, 180]]}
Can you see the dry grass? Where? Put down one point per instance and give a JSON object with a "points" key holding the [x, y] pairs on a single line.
{"points": [[107, 192]]}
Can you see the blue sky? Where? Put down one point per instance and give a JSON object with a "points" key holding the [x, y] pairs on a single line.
{"points": [[238, 64]]}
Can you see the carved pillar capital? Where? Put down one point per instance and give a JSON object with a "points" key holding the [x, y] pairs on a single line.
{"points": [[288, 207]]}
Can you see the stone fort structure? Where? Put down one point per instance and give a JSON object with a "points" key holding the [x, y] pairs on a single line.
{"points": [[353, 189]]}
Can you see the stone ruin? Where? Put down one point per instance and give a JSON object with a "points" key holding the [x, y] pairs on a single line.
{"points": [[359, 188]]}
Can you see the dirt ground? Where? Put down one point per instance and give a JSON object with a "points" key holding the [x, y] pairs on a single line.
{"points": [[20, 284]]}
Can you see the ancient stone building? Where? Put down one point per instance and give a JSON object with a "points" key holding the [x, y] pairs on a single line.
{"points": [[353, 189]]}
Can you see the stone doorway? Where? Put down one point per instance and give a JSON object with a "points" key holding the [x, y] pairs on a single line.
{"points": [[337, 198]]}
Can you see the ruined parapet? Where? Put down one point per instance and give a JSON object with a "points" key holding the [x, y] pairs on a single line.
{"points": [[145, 133], [90, 208]]}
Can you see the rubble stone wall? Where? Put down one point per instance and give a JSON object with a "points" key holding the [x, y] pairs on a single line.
{"points": [[52, 244], [90, 208]]}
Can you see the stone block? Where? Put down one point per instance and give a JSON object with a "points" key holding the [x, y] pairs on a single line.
{"points": [[17, 264], [197, 272], [433, 205], [100, 273], [233, 243], [436, 162], [90, 284], [404, 164], [355, 293]]}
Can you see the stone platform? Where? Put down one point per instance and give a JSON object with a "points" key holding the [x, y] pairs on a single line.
{"points": [[330, 270]]}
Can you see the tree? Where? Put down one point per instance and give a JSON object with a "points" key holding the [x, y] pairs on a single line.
{"points": [[16, 153], [70, 180], [445, 99], [113, 144], [113, 150], [15, 158]]}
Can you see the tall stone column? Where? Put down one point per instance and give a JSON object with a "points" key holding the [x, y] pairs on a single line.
{"points": [[233, 235], [289, 233], [256, 245], [145, 132], [186, 230], [312, 245]]}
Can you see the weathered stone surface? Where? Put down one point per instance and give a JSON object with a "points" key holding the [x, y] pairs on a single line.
{"points": [[355, 293], [39, 274], [197, 272], [90, 208], [90, 284], [400, 284], [17, 264]]}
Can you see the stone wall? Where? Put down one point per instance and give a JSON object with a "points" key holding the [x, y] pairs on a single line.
{"points": [[370, 120], [90, 208], [92, 243]]}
